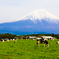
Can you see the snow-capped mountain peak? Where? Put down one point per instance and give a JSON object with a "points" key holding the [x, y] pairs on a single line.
{"points": [[40, 14]]}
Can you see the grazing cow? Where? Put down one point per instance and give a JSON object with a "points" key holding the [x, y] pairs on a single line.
{"points": [[6, 39], [57, 42], [41, 40], [1, 40], [15, 39]]}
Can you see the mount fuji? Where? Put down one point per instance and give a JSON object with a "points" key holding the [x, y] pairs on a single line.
{"points": [[38, 21]]}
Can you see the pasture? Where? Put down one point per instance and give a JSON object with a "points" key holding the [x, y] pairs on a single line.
{"points": [[28, 49]]}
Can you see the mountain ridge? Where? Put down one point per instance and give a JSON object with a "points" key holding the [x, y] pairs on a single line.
{"points": [[31, 26]]}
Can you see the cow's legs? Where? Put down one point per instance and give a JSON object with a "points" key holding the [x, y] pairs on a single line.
{"points": [[44, 45], [47, 45], [38, 43]]}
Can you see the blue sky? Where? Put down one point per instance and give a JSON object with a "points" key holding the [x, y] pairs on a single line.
{"points": [[11, 10]]}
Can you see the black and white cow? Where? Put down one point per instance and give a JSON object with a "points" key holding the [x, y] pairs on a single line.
{"points": [[6, 39], [1, 40], [57, 42], [15, 39], [41, 40]]}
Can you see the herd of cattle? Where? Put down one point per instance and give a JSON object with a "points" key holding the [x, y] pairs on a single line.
{"points": [[6, 39], [39, 41]]}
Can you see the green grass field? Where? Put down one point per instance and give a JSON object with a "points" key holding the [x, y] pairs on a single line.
{"points": [[28, 49]]}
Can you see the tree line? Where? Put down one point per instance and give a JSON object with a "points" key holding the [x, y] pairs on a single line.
{"points": [[7, 35], [10, 36]]}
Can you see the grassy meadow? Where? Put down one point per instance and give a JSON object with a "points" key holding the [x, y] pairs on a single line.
{"points": [[28, 49]]}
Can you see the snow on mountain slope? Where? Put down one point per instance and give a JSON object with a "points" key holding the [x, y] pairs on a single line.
{"points": [[41, 14]]}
